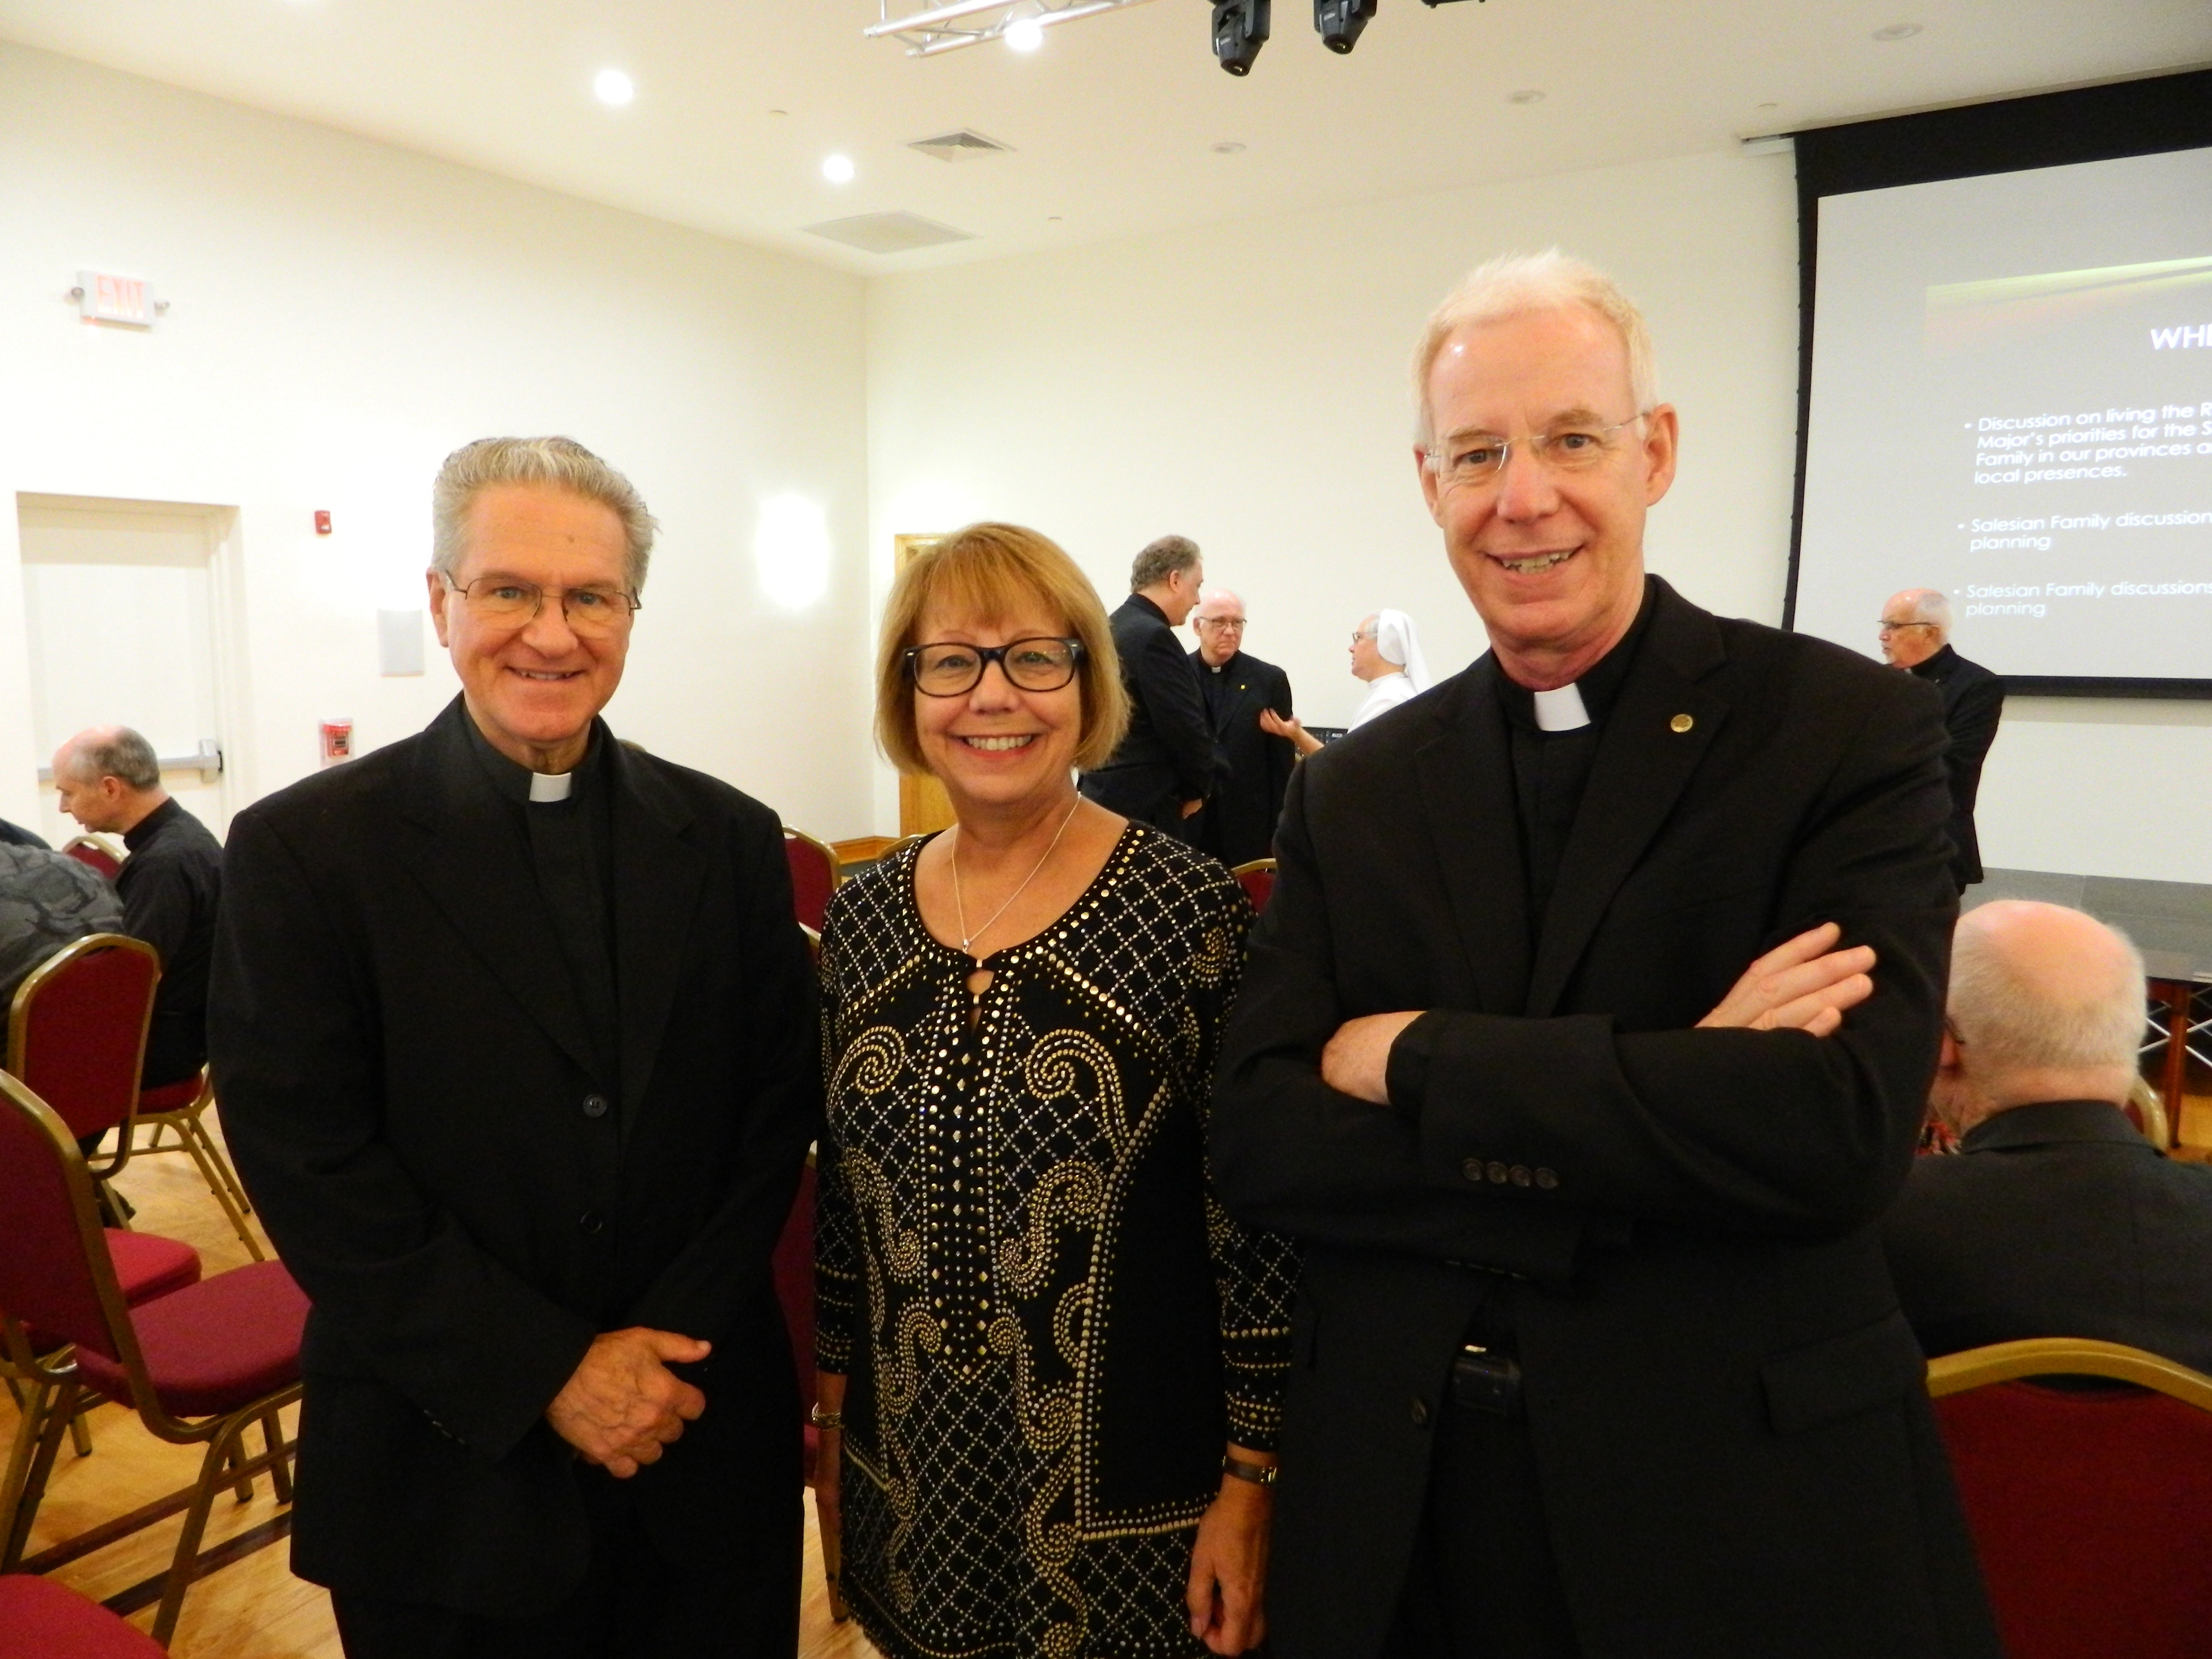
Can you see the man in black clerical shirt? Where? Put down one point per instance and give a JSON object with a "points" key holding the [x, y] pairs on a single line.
{"points": [[1916, 636], [2058, 1219], [1583, 1042], [1238, 823], [1166, 765], [513, 1027], [109, 781]]}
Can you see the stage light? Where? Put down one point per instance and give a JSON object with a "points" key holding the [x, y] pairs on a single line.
{"points": [[1240, 29], [1339, 21], [1025, 35]]}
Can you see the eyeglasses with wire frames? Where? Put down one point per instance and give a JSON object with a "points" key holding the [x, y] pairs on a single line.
{"points": [[1476, 457], [1221, 624], [950, 669], [510, 602], [1887, 626]]}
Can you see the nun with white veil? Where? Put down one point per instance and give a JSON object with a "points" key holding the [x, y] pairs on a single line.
{"points": [[1387, 654]]}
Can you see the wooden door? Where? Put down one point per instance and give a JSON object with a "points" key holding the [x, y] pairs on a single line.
{"points": [[923, 806]]}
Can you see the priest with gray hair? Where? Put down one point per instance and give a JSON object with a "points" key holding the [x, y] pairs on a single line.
{"points": [[1916, 636]]}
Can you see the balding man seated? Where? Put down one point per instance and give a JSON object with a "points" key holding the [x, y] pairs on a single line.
{"points": [[2059, 1220]]}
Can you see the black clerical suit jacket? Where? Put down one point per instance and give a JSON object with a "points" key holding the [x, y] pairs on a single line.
{"points": [[171, 889], [1725, 1407], [1973, 703], [467, 1196], [1238, 823], [2057, 1220], [1167, 756]]}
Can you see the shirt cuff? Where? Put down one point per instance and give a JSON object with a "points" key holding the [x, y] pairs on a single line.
{"points": [[1406, 1075]]}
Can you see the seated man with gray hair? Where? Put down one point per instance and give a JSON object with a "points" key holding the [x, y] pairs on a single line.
{"points": [[2059, 1220], [110, 781]]}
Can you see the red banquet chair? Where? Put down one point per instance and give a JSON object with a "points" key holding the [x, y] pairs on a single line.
{"points": [[2087, 1509], [200, 1366], [181, 1108], [98, 852], [1257, 878], [41, 1619], [815, 874], [76, 1036]]}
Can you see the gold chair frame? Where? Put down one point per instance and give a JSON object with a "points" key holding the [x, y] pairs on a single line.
{"points": [[836, 864], [2067, 1356], [227, 1462], [204, 1151]]}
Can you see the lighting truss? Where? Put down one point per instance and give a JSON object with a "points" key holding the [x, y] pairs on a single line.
{"points": [[960, 24]]}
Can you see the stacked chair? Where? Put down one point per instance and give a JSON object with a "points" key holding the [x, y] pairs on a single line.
{"points": [[2088, 1506], [1257, 878], [815, 874], [201, 1366]]}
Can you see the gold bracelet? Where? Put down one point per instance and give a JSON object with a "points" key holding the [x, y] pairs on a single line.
{"points": [[1260, 1474], [822, 1419]]}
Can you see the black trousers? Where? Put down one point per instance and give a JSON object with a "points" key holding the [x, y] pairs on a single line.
{"points": [[1483, 1584], [632, 1604]]}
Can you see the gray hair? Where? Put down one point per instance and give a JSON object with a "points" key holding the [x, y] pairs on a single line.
{"points": [[114, 752], [559, 463], [1517, 282], [2015, 1021], [1161, 559], [1929, 605]]}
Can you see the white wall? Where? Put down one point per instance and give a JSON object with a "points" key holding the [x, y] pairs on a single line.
{"points": [[1246, 384], [344, 313]]}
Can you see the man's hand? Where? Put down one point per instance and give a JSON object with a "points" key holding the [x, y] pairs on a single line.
{"points": [[1357, 1061], [623, 1404], [1802, 985], [1191, 807]]}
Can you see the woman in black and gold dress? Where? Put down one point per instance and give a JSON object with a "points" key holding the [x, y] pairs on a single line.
{"points": [[1052, 1365]]}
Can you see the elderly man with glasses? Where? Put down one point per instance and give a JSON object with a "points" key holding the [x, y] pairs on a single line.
{"points": [[514, 1032], [1916, 636], [1584, 1041], [1238, 823]]}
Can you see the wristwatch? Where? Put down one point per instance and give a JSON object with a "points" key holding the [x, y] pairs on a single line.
{"points": [[1260, 1474]]}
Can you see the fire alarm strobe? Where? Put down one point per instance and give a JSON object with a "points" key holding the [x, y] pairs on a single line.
{"points": [[322, 522]]}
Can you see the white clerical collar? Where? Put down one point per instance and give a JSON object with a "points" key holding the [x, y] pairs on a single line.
{"points": [[554, 785], [1561, 710]]}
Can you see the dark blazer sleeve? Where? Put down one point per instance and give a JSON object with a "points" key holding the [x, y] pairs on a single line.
{"points": [[1177, 709], [1762, 1132], [293, 1031], [1282, 754], [159, 907], [778, 1089], [1775, 1133], [1973, 727]]}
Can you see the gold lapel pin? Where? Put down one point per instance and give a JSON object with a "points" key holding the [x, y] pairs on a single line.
{"points": [[1680, 723]]}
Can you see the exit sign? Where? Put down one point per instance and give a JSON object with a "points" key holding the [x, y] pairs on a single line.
{"points": [[103, 297]]}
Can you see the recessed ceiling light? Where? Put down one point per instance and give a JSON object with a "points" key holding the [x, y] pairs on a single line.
{"points": [[613, 88], [1229, 147], [1769, 104], [1025, 34], [837, 169], [1896, 32], [1052, 218], [1526, 95], [779, 112]]}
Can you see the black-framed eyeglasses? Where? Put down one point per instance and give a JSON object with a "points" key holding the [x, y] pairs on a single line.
{"points": [[508, 601], [1041, 663]]}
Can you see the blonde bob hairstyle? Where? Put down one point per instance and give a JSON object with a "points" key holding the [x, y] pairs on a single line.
{"points": [[989, 571]]}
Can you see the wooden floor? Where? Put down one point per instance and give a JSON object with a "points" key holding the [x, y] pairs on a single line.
{"points": [[253, 1608]]}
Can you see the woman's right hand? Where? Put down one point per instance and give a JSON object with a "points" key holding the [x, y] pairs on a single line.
{"points": [[1288, 726]]}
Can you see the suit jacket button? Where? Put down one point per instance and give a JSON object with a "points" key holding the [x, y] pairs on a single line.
{"points": [[1547, 1179], [1472, 1169], [1497, 1173], [591, 1224], [1420, 1413], [595, 1105]]}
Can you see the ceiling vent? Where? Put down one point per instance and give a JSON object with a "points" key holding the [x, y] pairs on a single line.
{"points": [[887, 233], [964, 145]]}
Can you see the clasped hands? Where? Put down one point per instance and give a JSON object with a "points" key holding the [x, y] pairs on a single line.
{"points": [[1804, 984], [622, 1404]]}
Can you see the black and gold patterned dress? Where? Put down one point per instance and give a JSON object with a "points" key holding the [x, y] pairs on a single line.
{"points": [[1048, 1325]]}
